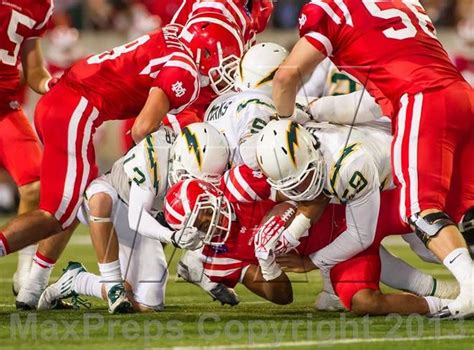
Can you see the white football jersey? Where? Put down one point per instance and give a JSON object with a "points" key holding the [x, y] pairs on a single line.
{"points": [[357, 158], [146, 164], [328, 80], [239, 116]]}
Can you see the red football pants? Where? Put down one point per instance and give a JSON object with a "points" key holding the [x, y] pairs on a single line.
{"points": [[433, 149], [66, 123], [20, 151]]}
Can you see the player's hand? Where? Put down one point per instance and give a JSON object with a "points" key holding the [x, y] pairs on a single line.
{"points": [[295, 263], [267, 237], [188, 238]]}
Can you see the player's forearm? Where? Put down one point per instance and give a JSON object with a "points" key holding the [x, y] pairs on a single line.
{"points": [[145, 224], [151, 115], [285, 87], [354, 108], [361, 221], [140, 219], [38, 80]]}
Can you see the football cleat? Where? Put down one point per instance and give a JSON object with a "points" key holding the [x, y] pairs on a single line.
{"points": [[63, 288], [191, 270], [328, 302], [118, 300]]}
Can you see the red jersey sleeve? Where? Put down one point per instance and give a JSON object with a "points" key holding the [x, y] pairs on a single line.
{"points": [[319, 22], [179, 80], [43, 13], [242, 184]]}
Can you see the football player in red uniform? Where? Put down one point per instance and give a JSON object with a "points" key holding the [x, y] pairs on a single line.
{"points": [[251, 17], [22, 23], [157, 74], [230, 224], [392, 49]]}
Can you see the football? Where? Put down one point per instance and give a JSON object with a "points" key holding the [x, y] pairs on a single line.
{"points": [[286, 210]]}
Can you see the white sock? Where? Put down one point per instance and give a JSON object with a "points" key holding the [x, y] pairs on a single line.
{"points": [[327, 284], [7, 196], [435, 304], [40, 272], [111, 274], [88, 284], [397, 274], [460, 264], [25, 259]]}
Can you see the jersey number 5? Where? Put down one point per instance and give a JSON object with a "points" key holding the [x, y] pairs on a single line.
{"points": [[14, 37], [410, 30]]}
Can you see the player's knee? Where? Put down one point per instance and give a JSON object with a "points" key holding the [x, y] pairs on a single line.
{"points": [[30, 193], [429, 223], [100, 205], [367, 302]]}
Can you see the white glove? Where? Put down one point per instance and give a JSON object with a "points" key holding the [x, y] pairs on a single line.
{"points": [[188, 238]]}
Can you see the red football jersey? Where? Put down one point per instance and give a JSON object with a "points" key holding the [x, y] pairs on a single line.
{"points": [[248, 214], [20, 20], [118, 82], [388, 46]]}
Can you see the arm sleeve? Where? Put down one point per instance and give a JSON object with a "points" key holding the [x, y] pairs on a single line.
{"points": [[139, 216], [179, 80], [342, 109], [361, 219], [252, 117]]}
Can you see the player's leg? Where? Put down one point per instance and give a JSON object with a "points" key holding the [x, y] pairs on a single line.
{"points": [[143, 264], [104, 219], [18, 138], [429, 128], [68, 165], [356, 282], [398, 274]]}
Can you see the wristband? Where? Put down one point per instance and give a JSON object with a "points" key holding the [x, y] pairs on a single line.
{"points": [[299, 226]]}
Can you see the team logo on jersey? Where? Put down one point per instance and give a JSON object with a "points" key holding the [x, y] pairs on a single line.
{"points": [[193, 145], [178, 89], [302, 20], [292, 138]]}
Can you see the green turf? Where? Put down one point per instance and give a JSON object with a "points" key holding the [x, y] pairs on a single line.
{"points": [[191, 319]]}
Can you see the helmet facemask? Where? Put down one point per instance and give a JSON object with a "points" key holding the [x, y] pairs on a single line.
{"points": [[212, 216], [307, 185]]}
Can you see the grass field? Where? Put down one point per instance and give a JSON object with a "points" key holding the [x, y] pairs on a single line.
{"points": [[192, 321]]}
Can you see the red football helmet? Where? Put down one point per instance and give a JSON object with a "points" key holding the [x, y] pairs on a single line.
{"points": [[196, 203], [216, 45], [261, 13]]}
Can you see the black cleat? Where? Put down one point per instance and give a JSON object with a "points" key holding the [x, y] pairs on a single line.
{"points": [[467, 229], [224, 295]]}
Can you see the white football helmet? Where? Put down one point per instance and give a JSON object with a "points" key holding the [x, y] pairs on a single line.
{"points": [[258, 67], [199, 152], [290, 158]]}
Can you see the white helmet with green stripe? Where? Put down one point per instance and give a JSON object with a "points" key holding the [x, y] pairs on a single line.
{"points": [[258, 67], [290, 158]]}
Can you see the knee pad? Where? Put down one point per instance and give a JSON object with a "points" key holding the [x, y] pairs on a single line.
{"points": [[428, 226]]}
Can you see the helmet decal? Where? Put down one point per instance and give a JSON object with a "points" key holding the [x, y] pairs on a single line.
{"points": [[292, 138], [193, 145]]}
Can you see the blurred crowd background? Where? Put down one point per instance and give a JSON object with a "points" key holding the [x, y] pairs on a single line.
{"points": [[119, 14], [82, 27]]}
